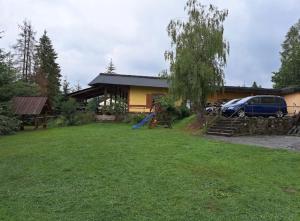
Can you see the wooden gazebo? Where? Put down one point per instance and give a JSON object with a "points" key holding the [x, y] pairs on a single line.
{"points": [[36, 108]]}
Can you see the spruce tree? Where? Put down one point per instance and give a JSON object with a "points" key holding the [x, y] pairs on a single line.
{"points": [[47, 69], [66, 89], [24, 51], [111, 67], [289, 72], [254, 85]]}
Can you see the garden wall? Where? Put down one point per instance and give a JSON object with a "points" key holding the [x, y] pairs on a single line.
{"points": [[265, 126]]}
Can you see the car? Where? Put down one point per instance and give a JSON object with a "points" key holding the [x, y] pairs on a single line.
{"points": [[261, 105], [215, 108], [229, 103]]}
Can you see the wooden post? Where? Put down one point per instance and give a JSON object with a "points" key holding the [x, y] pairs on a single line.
{"points": [[115, 94], [110, 98], [105, 96], [22, 123], [44, 122], [36, 123]]}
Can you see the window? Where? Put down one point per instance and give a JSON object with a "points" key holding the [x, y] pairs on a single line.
{"points": [[279, 101], [268, 100], [254, 101]]}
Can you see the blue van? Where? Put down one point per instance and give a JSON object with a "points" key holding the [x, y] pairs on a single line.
{"points": [[263, 105]]}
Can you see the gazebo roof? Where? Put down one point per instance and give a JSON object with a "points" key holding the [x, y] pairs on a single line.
{"points": [[30, 105]]}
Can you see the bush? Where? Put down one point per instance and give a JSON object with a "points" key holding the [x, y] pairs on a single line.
{"points": [[56, 122], [8, 125], [93, 105], [84, 118], [134, 118], [117, 107], [79, 118], [68, 111], [183, 112], [169, 109]]}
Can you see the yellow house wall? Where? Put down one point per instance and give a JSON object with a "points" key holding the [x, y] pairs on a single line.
{"points": [[293, 102], [138, 97]]}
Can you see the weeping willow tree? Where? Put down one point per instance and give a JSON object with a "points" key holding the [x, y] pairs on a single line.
{"points": [[198, 54]]}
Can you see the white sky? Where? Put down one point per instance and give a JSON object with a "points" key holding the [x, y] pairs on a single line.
{"points": [[86, 34]]}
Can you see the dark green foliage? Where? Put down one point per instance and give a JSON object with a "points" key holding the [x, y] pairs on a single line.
{"points": [[93, 105], [85, 118], [66, 88], [47, 69], [8, 125], [136, 118], [78, 118], [10, 85], [198, 55], [71, 116], [183, 112], [254, 85], [167, 104], [69, 110], [118, 107], [18, 88], [289, 72]]}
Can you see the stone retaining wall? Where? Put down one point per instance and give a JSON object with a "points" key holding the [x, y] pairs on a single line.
{"points": [[103, 118], [265, 126]]}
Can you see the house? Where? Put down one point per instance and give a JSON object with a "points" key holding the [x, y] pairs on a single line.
{"points": [[139, 91]]}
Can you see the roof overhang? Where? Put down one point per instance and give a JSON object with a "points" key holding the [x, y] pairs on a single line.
{"points": [[129, 80]]}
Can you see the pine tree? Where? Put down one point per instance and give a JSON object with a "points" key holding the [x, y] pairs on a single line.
{"points": [[66, 89], [47, 70], [111, 67], [24, 51], [289, 72], [254, 85]]}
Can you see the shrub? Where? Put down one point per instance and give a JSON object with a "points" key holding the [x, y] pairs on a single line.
{"points": [[84, 118], [8, 125], [56, 122], [119, 107], [136, 118], [69, 110], [169, 109], [183, 112], [93, 105]]}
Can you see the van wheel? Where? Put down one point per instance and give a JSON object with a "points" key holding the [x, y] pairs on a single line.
{"points": [[241, 114], [279, 114]]}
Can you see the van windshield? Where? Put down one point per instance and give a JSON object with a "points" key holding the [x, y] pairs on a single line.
{"points": [[231, 102], [242, 101]]}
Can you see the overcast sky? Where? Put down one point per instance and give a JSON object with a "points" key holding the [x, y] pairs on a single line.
{"points": [[86, 34]]}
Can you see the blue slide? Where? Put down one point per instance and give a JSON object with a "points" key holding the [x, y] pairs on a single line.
{"points": [[144, 121]]}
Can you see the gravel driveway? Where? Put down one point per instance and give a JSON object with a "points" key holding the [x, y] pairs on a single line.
{"points": [[277, 142]]}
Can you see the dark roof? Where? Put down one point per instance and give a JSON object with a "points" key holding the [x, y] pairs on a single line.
{"points": [[29, 105], [290, 90], [129, 80], [270, 91], [146, 81]]}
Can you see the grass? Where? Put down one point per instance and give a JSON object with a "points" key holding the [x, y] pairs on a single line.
{"points": [[111, 172]]}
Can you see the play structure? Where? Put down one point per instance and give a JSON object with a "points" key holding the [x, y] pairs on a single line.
{"points": [[156, 117]]}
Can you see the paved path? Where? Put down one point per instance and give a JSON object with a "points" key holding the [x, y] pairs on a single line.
{"points": [[284, 142]]}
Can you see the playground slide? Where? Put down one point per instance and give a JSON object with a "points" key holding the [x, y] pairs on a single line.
{"points": [[144, 121]]}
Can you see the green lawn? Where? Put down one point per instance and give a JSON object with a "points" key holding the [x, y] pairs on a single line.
{"points": [[111, 172]]}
